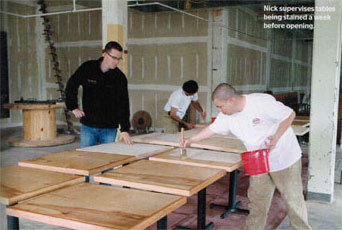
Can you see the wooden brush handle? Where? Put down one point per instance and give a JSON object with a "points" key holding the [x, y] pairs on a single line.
{"points": [[182, 136]]}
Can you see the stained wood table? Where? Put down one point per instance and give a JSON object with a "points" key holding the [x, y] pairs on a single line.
{"points": [[212, 143], [169, 178], [91, 206], [78, 162], [39, 126], [229, 162], [21, 183]]}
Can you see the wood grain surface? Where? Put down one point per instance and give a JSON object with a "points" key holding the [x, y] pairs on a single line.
{"points": [[138, 150], [19, 141], [212, 143], [20, 183], [299, 131], [193, 132], [92, 207], [301, 123], [203, 158], [302, 118], [159, 139], [27, 106], [78, 162], [163, 177]]}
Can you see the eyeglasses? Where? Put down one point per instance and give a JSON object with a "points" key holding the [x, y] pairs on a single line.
{"points": [[115, 58]]}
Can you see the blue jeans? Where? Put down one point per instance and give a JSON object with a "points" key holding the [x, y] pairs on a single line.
{"points": [[91, 136]]}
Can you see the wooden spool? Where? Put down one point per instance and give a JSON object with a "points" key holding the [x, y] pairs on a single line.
{"points": [[39, 120], [39, 125]]}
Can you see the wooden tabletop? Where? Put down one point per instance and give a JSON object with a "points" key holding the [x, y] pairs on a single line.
{"points": [[300, 131], [138, 150], [301, 123], [162, 177], [78, 162], [203, 158], [212, 143], [27, 106], [193, 132], [20, 183], [159, 139], [90, 206], [302, 118]]}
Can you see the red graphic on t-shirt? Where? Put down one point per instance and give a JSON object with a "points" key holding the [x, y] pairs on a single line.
{"points": [[256, 121]]}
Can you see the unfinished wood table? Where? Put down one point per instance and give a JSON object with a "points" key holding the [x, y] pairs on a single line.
{"points": [[300, 123], [302, 118], [229, 162], [298, 130], [78, 162], [167, 178], [194, 131], [212, 143], [39, 126], [20, 183], [140, 151], [91, 206]]}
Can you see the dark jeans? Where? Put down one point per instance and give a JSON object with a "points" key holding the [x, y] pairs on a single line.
{"points": [[91, 136]]}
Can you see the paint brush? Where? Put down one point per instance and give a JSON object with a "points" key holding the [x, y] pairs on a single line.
{"points": [[183, 149]]}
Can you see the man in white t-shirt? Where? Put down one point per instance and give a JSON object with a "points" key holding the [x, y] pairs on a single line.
{"points": [[177, 105], [260, 121]]}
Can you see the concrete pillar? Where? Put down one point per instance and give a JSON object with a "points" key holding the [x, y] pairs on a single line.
{"points": [[219, 52], [324, 102], [114, 26], [42, 55]]}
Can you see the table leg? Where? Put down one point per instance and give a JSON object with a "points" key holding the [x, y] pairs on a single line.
{"points": [[12, 223], [104, 171], [299, 139], [162, 223], [233, 206], [201, 212]]}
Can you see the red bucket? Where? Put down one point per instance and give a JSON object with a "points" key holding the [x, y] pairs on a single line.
{"points": [[255, 162]]}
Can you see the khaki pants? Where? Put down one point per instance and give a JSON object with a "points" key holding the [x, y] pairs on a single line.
{"points": [[289, 184], [170, 125]]}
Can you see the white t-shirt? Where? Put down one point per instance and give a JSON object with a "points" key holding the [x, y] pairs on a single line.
{"points": [[180, 101], [258, 120]]}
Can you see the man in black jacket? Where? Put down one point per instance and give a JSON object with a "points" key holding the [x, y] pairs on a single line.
{"points": [[105, 99]]}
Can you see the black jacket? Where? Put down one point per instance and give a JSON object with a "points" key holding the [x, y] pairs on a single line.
{"points": [[105, 96]]}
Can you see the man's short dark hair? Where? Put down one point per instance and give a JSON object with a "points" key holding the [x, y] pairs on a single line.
{"points": [[190, 87], [223, 91], [112, 45]]}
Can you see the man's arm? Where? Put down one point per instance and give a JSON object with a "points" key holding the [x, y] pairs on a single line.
{"points": [[124, 113], [173, 115], [71, 92], [199, 108], [283, 126], [204, 134]]}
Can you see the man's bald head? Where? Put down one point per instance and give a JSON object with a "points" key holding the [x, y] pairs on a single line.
{"points": [[224, 92]]}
